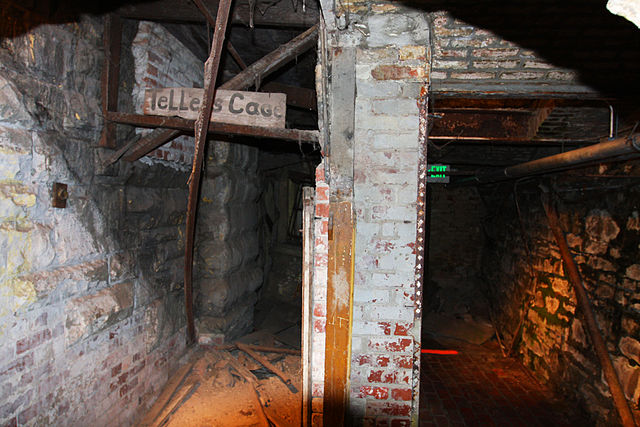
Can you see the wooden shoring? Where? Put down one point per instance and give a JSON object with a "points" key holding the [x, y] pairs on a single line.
{"points": [[110, 76], [339, 313], [201, 130], [150, 142], [600, 347], [186, 125], [271, 62]]}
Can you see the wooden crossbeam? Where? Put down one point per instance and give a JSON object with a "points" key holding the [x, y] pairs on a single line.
{"points": [[150, 142], [186, 125]]}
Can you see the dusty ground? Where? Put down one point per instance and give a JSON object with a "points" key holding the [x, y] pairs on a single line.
{"points": [[213, 390]]}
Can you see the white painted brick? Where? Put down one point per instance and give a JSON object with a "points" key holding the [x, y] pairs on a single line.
{"points": [[388, 313], [377, 89], [400, 140], [386, 123], [398, 213], [367, 328], [389, 229], [395, 107], [371, 295]]}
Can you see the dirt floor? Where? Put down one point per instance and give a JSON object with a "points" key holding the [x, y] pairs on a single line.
{"points": [[228, 387]]}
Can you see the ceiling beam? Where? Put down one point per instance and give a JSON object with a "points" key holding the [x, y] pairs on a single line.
{"points": [[281, 14]]}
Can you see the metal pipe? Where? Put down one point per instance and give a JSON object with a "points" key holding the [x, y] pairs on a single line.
{"points": [[618, 148], [619, 399]]}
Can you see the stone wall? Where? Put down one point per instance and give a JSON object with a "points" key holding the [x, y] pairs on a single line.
{"points": [[600, 219], [91, 320], [228, 264]]}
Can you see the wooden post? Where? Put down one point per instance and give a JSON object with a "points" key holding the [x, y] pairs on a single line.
{"points": [[619, 399], [308, 207], [200, 132], [339, 313], [110, 76]]}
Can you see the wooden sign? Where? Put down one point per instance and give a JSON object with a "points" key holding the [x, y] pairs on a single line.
{"points": [[229, 106]]}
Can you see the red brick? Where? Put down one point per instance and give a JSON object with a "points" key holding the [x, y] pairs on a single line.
{"points": [[380, 393], [322, 210], [403, 362], [152, 70], [390, 345], [382, 422], [401, 394], [13, 422], [33, 341], [19, 364], [317, 390], [402, 329], [400, 422], [319, 325], [375, 376], [322, 193], [397, 72], [319, 310], [382, 361], [116, 370], [155, 58], [363, 359], [388, 408], [321, 260]]}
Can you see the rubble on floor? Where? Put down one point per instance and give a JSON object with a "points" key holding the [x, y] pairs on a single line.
{"points": [[239, 384]]}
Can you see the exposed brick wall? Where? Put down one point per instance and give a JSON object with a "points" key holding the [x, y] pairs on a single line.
{"points": [[602, 228], [319, 294], [91, 320], [391, 70], [159, 64], [468, 58]]}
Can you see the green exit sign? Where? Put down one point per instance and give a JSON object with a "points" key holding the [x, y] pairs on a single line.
{"points": [[438, 174]]}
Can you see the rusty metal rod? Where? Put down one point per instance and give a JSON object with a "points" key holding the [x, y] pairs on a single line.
{"points": [[574, 158], [599, 345], [200, 132]]}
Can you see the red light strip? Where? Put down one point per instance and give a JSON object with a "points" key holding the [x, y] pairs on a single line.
{"points": [[446, 352]]}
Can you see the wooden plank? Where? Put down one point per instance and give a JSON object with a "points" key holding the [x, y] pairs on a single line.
{"points": [[110, 76], [270, 366], [150, 142], [308, 241], [186, 125], [238, 107], [262, 348], [339, 313], [341, 93]]}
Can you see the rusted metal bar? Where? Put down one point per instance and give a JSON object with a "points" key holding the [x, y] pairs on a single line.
{"points": [[263, 360], [599, 345], [574, 158], [110, 75], [526, 142], [271, 62], [300, 97], [150, 142], [200, 133], [186, 125]]}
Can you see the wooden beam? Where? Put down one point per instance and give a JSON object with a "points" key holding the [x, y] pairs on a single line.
{"points": [[273, 61], [296, 96], [140, 120], [200, 132], [150, 142], [280, 14], [110, 76], [339, 313]]}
